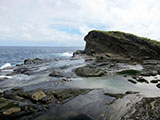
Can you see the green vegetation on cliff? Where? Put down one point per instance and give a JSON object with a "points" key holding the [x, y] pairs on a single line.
{"points": [[121, 44], [124, 36]]}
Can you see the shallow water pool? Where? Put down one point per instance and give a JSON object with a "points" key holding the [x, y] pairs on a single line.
{"points": [[116, 84]]}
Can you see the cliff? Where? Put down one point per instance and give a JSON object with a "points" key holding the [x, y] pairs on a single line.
{"points": [[120, 43]]}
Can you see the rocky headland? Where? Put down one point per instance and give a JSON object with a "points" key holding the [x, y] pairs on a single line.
{"points": [[115, 43], [116, 77]]}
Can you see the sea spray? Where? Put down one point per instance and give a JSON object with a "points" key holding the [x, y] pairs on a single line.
{"points": [[67, 54], [5, 77], [7, 65]]}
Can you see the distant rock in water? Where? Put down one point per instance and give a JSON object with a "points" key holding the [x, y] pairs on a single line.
{"points": [[122, 44], [33, 61]]}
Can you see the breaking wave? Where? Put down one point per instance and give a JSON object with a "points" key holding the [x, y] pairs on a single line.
{"points": [[7, 65], [5, 77], [67, 54]]}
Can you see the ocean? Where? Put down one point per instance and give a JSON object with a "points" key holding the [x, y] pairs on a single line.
{"points": [[15, 55]]}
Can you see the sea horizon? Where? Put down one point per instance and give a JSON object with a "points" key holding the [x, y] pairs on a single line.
{"points": [[17, 54]]}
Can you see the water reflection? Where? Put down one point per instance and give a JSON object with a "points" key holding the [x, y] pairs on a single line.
{"points": [[116, 84]]}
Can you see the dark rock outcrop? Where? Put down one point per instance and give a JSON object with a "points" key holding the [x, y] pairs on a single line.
{"points": [[158, 85], [122, 44], [78, 52], [154, 81], [132, 81], [33, 61], [21, 70], [142, 80], [56, 74], [129, 72]]}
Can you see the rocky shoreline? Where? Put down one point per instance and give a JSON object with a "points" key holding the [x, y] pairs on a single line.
{"points": [[116, 77]]}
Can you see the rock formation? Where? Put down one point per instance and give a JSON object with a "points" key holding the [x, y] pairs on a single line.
{"points": [[122, 44]]}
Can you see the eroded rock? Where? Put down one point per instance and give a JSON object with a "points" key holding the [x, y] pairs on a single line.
{"points": [[89, 72], [124, 44], [38, 95], [146, 109]]}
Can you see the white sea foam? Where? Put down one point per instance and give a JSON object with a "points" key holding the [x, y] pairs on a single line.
{"points": [[67, 54], [7, 65], [5, 77]]}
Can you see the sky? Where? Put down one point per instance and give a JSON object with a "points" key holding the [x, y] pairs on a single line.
{"points": [[66, 22]]}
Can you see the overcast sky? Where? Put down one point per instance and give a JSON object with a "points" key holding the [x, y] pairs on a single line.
{"points": [[66, 22]]}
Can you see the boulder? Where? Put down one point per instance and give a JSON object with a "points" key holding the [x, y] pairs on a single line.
{"points": [[141, 79], [87, 71], [154, 81], [38, 95], [56, 74], [158, 85], [132, 81], [122, 44], [134, 77], [12, 110]]}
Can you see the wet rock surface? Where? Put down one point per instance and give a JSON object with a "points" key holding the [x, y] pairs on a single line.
{"points": [[74, 103], [38, 101], [146, 109], [105, 81]]}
